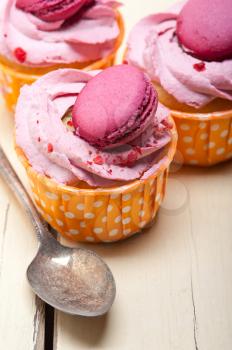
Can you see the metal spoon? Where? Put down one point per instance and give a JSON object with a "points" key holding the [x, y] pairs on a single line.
{"points": [[73, 280]]}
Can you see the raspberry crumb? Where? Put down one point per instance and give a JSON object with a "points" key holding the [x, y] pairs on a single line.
{"points": [[131, 158], [70, 123], [37, 122], [138, 149], [199, 67], [164, 31], [20, 54], [167, 124], [125, 62], [50, 148], [109, 171], [89, 163], [39, 139], [98, 160]]}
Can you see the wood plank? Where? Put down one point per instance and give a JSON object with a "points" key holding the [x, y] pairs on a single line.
{"points": [[174, 282], [21, 312]]}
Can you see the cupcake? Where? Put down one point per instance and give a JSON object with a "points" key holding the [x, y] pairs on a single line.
{"points": [[96, 147], [40, 36], [187, 52]]}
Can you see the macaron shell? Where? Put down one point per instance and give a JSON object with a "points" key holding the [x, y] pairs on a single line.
{"points": [[51, 10], [109, 101], [205, 28]]}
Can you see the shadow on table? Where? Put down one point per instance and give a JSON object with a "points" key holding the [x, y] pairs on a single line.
{"points": [[88, 332]]}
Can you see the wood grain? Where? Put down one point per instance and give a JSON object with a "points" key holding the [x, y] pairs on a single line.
{"points": [[174, 281]]}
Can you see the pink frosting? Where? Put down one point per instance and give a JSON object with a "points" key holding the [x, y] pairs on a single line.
{"points": [[57, 152], [30, 41], [153, 46]]}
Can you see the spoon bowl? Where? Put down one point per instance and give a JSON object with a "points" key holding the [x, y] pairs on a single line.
{"points": [[74, 280]]}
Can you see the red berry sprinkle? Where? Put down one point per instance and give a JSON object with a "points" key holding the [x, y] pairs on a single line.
{"points": [[132, 157], [50, 148], [37, 122], [164, 31], [39, 139], [199, 67], [138, 149], [20, 54], [109, 171], [70, 123], [167, 124], [89, 163], [98, 160], [125, 62]]}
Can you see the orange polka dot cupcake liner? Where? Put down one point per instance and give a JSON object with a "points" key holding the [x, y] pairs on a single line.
{"points": [[13, 77], [100, 215], [203, 139]]}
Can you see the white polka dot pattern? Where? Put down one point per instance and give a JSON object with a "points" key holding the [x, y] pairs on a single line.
{"points": [[52, 196], [69, 215], [126, 221], [73, 231], [59, 222], [65, 197], [89, 215], [96, 215], [126, 209], [188, 139], [98, 230], [184, 127], [205, 142], [113, 232], [80, 206], [98, 204]]}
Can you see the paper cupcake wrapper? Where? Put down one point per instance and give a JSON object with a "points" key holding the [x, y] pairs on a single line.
{"points": [[12, 79], [203, 139], [99, 215]]}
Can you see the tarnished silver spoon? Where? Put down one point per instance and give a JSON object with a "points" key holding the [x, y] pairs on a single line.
{"points": [[73, 280]]}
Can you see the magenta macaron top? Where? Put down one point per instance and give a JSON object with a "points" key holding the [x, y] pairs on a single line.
{"points": [[204, 27], [119, 131], [115, 107]]}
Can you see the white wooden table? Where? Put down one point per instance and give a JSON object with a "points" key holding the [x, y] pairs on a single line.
{"points": [[174, 282]]}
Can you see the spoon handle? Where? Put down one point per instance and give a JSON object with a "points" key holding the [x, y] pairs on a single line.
{"points": [[10, 177]]}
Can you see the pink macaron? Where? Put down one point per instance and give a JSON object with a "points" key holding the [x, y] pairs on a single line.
{"points": [[115, 107], [52, 10], [204, 27]]}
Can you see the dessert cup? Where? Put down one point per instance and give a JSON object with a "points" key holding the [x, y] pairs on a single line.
{"points": [[205, 136], [193, 80], [13, 76], [97, 172], [100, 214]]}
